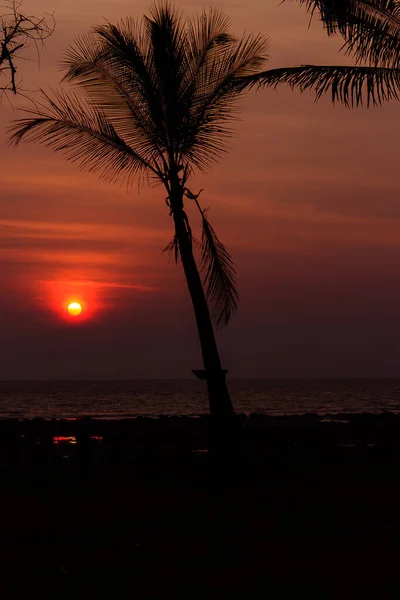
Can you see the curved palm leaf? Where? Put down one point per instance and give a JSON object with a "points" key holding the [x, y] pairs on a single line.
{"points": [[218, 271], [370, 28], [216, 99], [90, 64], [84, 134], [351, 86]]}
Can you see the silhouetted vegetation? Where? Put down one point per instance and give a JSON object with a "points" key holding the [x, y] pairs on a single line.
{"points": [[371, 36], [18, 30]]}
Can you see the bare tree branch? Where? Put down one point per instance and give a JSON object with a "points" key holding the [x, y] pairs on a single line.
{"points": [[19, 31]]}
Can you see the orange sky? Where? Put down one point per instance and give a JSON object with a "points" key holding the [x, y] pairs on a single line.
{"points": [[307, 201]]}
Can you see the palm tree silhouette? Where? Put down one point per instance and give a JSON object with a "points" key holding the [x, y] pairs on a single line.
{"points": [[156, 100], [371, 34], [370, 28]]}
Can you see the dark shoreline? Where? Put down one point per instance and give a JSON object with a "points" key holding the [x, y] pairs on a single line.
{"points": [[133, 508], [291, 447], [308, 429]]}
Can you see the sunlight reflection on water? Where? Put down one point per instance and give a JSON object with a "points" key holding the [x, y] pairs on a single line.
{"points": [[60, 439], [71, 439]]}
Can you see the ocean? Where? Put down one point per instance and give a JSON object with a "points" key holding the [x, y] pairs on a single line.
{"points": [[127, 399]]}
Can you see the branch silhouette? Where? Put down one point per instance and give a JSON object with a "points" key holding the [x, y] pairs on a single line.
{"points": [[17, 31]]}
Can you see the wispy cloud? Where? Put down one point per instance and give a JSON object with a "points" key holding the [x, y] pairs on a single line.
{"points": [[86, 283]]}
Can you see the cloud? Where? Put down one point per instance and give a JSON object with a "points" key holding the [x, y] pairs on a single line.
{"points": [[87, 283]]}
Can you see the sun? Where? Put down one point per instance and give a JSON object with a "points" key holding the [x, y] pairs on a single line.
{"points": [[74, 309]]}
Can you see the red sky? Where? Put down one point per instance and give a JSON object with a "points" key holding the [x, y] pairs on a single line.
{"points": [[307, 201]]}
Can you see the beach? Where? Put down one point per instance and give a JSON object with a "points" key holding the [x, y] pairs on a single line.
{"points": [[135, 508]]}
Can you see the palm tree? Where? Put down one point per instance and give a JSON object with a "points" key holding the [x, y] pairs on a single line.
{"points": [[155, 102], [156, 99]]}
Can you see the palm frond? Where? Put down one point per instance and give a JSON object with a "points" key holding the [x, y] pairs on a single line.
{"points": [[94, 63], [167, 37], [173, 248], [218, 271], [351, 86], [338, 16], [129, 54], [208, 40], [217, 100], [370, 28], [207, 33], [84, 134]]}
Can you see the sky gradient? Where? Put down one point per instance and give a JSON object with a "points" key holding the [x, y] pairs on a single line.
{"points": [[307, 201]]}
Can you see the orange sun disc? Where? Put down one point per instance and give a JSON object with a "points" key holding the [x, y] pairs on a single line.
{"points": [[74, 309]]}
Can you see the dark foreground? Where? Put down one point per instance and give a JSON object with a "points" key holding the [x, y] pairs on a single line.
{"points": [[133, 509]]}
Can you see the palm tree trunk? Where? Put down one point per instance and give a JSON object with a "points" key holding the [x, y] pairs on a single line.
{"points": [[221, 407]]}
